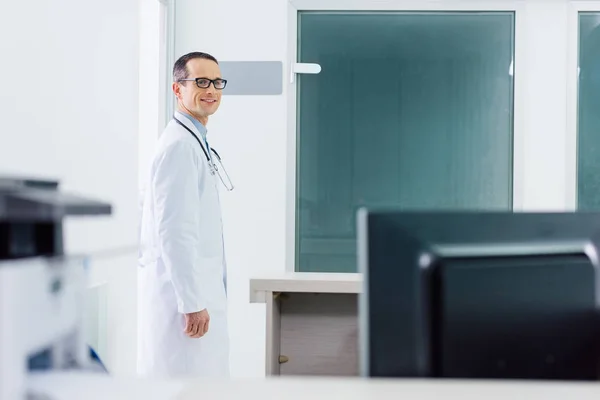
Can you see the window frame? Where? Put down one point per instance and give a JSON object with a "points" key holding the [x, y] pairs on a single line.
{"points": [[519, 70], [572, 139]]}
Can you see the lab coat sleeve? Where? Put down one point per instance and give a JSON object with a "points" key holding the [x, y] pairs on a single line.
{"points": [[177, 213]]}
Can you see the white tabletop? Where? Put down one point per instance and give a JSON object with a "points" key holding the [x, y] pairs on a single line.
{"points": [[359, 389], [101, 387], [304, 282], [94, 386]]}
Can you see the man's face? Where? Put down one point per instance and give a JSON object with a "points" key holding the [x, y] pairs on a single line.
{"points": [[200, 102]]}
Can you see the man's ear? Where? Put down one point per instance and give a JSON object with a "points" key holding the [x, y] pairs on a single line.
{"points": [[176, 89]]}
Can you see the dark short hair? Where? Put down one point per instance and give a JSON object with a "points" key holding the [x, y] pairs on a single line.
{"points": [[180, 70]]}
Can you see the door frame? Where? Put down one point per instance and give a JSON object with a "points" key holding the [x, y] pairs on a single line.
{"points": [[575, 7], [519, 70]]}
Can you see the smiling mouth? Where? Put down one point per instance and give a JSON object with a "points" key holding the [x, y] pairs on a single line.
{"points": [[210, 101]]}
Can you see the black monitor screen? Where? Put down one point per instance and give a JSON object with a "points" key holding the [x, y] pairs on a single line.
{"points": [[479, 295]]}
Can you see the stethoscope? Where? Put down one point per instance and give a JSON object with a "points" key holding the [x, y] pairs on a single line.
{"points": [[212, 167]]}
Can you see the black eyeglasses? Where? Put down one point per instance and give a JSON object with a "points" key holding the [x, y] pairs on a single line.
{"points": [[204, 83]]}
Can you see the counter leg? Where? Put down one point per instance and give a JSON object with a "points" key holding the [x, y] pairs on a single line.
{"points": [[273, 344]]}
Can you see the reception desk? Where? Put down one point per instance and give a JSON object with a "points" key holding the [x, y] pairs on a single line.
{"points": [[312, 322]]}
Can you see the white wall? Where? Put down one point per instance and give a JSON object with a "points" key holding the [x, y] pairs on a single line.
{"points": [[251, 132], [69, 110], [542, 90]]}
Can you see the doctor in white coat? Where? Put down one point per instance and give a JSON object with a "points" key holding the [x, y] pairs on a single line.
{"points": [[182, 325]]}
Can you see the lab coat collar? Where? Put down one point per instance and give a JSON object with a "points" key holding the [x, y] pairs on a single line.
{"points": [[199, 129]]}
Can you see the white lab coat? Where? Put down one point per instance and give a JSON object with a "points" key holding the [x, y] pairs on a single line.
{"points": [[182, 262]]}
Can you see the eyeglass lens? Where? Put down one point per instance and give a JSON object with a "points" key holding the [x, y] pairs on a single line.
{"points": [[204, 83]]}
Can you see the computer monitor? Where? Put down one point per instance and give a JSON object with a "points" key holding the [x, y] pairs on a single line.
{"points": [[479, 295]]}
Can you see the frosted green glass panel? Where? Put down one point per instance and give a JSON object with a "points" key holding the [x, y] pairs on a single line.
{"points": [[410, 110], [588, 160]]}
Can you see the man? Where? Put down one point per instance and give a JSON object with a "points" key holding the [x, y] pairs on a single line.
{"points": [[182, 329]]}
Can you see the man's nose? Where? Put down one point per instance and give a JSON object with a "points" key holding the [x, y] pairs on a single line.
{"points": [[211, 88]]}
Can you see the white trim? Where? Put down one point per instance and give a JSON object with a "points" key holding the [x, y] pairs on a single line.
{"points": [[575, 7], [406, 5], [519, 106], [162, 60], [290, 220], [167, 60], [572, 105], [585, 5], [519, 95], [151, 94]]}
